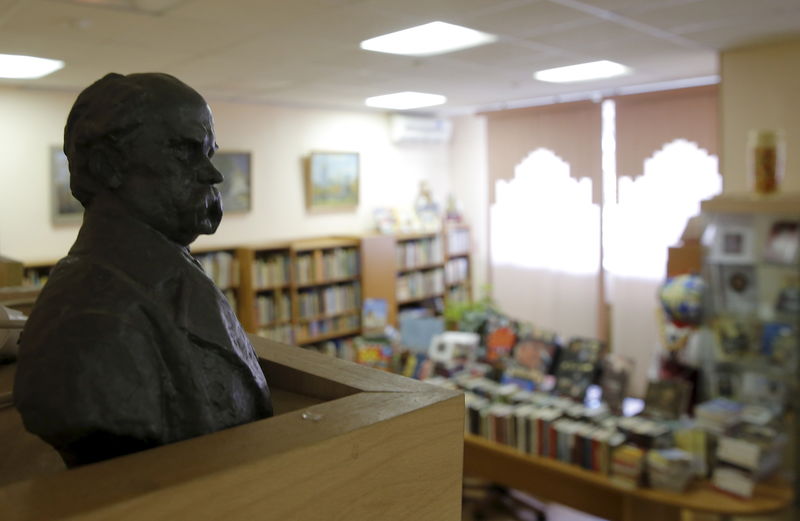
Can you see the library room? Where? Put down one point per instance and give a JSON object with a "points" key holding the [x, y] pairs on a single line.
{"points": [[435, 260]]}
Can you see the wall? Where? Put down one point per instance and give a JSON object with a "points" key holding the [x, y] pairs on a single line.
{"points": [[759, 90], [278, 137], [469, 180]]}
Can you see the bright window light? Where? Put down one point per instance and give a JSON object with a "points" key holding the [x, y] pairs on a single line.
{"points": [[27, 67], [582, 72], [405, 100], [428, 39]]}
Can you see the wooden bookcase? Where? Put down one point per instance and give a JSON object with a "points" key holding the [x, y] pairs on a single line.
{"points": [[458, 268], [325, 290], [223, 265], [308, 291], [417, 269]]}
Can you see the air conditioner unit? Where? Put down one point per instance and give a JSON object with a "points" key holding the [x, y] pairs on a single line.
{"points": [[419, 129]]}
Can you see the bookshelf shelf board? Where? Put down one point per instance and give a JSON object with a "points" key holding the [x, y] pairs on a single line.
{"points": [[328, 282], [414, 300], [405, 237], [421, 267], [455, 255], [327, 336], [595, 493], [323, 316], [457, 283], [323, 244], [785, 204], [277, 287]]}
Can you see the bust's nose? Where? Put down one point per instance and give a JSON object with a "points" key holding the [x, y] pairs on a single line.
{"points": [[209, 175]]}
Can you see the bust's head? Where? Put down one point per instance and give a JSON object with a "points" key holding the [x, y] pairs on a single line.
{"points": [[145, 141]]}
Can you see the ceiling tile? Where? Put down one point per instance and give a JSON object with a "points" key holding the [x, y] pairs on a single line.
{"points": [[675, 17], [529, 19]]}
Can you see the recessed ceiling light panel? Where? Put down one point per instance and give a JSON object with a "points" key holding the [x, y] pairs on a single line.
{"points": [[428, 39], [582, 72], [405, 100], [27, 67]]}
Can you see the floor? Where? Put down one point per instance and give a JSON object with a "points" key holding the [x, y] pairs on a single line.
{"points": [[521, 507]]}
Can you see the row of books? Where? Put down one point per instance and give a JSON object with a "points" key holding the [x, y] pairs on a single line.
{"points": [[273, 308], [457, 241], [326, 326], [456, 270], [458, 294], [419, 252], [343, 348], [338, 263], [282, 333], [230, 296], [271, 270], [543, 431], [420, 284], [222, 267], [329, 300], [35, 276]]}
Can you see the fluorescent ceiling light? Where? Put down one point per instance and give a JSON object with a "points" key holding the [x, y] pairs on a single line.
{"points": [[405, 100], [27, 67], [428, 39], [582, 72]]}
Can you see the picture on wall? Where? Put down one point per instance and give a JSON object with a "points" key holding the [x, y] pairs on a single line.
{"points": [[236, 185], [65, 208], [331, 181]]}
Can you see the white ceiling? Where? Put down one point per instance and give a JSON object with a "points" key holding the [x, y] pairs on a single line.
{"points": [[306, 52]]}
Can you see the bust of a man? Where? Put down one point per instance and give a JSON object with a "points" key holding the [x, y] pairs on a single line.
{"points": [[130, 344]]}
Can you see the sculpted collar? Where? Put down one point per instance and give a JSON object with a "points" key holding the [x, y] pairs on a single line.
{"points": [[110, 233]]}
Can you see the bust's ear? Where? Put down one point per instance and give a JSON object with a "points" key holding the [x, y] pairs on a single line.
{"points": [[105, 167]]}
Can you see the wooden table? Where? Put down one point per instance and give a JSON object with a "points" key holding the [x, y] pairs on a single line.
{"points": [[594, 493]]}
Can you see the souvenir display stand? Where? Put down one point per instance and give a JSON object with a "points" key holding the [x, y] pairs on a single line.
{"points": [[346, 441]]}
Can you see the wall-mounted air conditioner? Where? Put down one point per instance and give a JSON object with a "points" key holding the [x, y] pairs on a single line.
{"points": [[419, 129]]}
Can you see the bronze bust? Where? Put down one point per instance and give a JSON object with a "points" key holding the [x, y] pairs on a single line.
{"points": [[130, 344]]}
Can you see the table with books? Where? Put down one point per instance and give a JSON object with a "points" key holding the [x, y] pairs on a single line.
{"points": [[597, 494], [616, 467]]}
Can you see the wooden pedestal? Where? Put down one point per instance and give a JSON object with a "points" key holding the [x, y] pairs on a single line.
{"points": [[347, 442]]}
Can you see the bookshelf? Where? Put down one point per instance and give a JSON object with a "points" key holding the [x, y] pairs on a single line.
{"points": [[457, 263], [223, 266], [426, 269], [325, 290], [35, 273]]}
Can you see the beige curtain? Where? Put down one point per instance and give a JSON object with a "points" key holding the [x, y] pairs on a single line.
{"points": [[571, 130], [553, 299], [647, 122]]}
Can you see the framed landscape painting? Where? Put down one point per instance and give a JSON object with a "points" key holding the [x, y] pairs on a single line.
{"points": [[64, 207], [236, 185], [331, 180]]}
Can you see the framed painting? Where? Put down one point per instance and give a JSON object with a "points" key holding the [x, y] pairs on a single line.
{"points": [[236, 185], [331, 181], [64, 207]]}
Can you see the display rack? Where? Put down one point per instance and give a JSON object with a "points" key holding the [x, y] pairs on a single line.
{"points": [[752, 263]]}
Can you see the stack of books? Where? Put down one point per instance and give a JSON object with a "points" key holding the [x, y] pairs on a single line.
{"points": [[669, 469], [718, 415], [747, 455], [627, 466]]}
